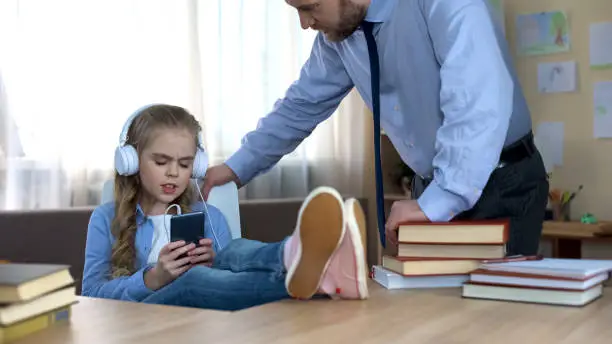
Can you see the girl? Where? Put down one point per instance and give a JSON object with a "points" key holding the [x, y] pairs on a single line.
{"points": [[129, 255]]}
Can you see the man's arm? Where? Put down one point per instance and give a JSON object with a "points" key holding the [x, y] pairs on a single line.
{"points": [[322, 85], [476, 99]]}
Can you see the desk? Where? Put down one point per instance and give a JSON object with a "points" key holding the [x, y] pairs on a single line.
{"points": [[567, 237], [97, 321], [401, 316]]}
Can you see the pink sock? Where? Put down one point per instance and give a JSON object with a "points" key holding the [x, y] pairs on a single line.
{"points": [[287, 252]]}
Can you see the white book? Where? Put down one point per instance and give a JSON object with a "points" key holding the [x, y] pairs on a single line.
{"points": [[579, 269], [532, 295], [392, 280]]}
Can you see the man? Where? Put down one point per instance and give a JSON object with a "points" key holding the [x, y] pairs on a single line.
{"points": [[449, 101]]}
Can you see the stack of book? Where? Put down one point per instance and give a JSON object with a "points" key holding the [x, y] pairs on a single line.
{"points": [[441, 254], [33, 297], [568, 282]]}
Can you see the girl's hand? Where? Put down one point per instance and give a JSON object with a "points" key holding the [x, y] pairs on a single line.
{"points": [[168, 267], [203, 254]]}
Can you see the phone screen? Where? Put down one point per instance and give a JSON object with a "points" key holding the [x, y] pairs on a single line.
{"points": [[187, 227]]}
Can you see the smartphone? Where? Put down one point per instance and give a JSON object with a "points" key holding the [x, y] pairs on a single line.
{"points": [[187, 227]]}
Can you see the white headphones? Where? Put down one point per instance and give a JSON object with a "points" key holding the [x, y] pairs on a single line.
{"points": [[126, 156]]}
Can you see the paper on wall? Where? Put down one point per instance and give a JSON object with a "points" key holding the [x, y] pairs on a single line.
{"points": [[555, 77], [601, 45], [542, 33], [549, 140], [602, 109]]}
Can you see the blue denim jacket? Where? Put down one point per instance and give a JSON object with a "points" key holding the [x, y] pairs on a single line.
{"points": [[96, 273]]}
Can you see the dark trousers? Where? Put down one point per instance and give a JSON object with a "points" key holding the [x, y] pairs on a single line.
{"points": [[518, 192]]}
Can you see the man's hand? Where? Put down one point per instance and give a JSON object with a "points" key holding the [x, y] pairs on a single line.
{"points": [[402, 211], [218, 175], [203, 254]]}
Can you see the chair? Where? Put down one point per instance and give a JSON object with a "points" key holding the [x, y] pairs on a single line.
{"points": [[224, 198]]}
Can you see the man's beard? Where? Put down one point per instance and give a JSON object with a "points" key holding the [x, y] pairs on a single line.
{"points": [[351, 16]]}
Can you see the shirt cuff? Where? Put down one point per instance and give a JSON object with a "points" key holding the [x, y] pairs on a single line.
{"points": [[242, 163], [140, 289], [440, 205]]}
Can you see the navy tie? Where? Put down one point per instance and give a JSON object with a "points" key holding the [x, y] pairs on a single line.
{"points": [[375, 79]]}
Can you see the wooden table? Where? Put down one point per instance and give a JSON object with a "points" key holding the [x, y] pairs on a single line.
{"points": [[418, 316], [567, 237]]}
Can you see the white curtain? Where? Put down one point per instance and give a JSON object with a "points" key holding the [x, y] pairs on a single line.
{"points": [[71, 72]]}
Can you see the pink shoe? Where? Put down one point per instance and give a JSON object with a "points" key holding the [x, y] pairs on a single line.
{"points": [[347, 274], [319, 231]]}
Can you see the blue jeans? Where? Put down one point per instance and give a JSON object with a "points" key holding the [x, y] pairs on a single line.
{"points": [[245, 273]]}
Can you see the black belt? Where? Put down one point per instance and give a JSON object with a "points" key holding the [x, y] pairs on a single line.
{"points": [[519, 150]]}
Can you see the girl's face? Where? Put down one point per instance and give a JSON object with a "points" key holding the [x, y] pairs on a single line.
{"points": [[165, 168]]}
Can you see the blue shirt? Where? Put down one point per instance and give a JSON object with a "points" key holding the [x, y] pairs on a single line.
{"points": [[96, 279], [450, 99]]}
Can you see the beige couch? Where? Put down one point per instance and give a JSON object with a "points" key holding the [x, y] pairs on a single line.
{"points": [[58, 236]]}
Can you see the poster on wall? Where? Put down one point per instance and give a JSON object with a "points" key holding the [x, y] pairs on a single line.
{"points": [[542, 33], [602, 106], [549, 137], [601, 45], [557, 77]]}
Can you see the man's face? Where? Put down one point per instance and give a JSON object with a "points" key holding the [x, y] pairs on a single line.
{"points": [[337, 19]]}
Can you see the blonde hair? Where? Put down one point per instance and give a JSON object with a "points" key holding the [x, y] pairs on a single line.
{"points": [[128, 188]]}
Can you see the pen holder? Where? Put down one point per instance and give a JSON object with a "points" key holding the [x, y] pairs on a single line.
{"points": [[561, 211]]}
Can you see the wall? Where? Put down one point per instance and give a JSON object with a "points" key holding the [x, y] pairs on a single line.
{"points": [[586, 160]]}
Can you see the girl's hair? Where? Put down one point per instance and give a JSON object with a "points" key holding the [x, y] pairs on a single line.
{"points": [[128, 188]]}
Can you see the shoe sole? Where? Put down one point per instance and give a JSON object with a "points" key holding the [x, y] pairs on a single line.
{"points": [[321, 229], [356, 223]]}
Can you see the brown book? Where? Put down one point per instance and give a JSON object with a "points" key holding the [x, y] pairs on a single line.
{"points": [[25, 281], [464, 251], [454, 232], [580, 269], [429, 266], [502, 278]]}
